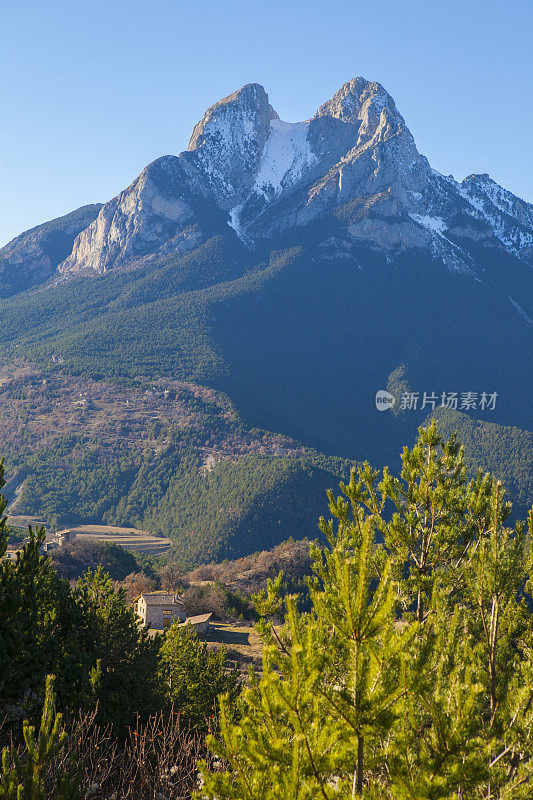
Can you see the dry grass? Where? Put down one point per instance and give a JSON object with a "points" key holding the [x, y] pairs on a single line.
{"points": [[242, 642], [156, 759]]}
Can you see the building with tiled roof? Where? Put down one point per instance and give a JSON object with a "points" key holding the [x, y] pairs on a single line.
{"points": [[159, 609], [200, 623]]}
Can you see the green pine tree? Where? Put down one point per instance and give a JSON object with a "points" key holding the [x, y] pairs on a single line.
{"points": [[195, 675], [28, 777], [41, 630], [412, 677], [431, 527], [498, 596], [124, 678], [333, 683]]}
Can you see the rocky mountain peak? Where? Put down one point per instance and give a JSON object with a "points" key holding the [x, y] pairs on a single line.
{"points": [[478, 177], [354, 159], [249, 101], [227, 144], [361, 112], [355, 99], [509, 217]]}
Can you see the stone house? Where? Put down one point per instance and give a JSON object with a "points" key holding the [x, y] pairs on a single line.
{"points": [[47, 546], [64, 537], [11, 555], [158, 609], [200, 623]]}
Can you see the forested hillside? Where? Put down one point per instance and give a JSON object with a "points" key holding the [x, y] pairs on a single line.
{"points": [[175, 458], [166, 456], [286, 335], [403, 599], [504, 451]]}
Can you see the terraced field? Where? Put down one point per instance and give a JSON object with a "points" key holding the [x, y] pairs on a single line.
{"points": [[128, 538]]}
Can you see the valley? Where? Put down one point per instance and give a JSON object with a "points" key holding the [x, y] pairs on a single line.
{"points": [[167, 458], [266, 410], [208, 344]]}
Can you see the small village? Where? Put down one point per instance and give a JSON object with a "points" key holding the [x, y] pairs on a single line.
{"points": [[52, 542]]}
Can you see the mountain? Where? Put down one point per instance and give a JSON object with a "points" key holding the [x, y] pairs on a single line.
{"points": [[32, 257], [298, 268], [170, 455], [354, 158], [354, 166]]}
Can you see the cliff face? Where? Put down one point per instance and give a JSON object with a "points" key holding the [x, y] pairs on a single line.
{"points": [[353, 169], [356, 155], [32, 257], [154, 210]]}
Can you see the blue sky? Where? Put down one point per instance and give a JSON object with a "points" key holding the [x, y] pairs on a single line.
{"points": [[93, 91]]}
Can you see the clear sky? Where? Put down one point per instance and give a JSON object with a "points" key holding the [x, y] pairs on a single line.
{"points": [[93, 91]]}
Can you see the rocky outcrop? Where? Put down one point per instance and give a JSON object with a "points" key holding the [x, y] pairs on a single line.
{"points": [[156, 210], [226, 146], [32, 257], [354, 165], [509, 218]]}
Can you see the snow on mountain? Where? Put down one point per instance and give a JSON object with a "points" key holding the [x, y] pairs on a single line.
{"points": [[436, 224], [234, 219], [286, 155], [247, 162], [509, 217], [355, 160], [527, 319], [226, 146]]}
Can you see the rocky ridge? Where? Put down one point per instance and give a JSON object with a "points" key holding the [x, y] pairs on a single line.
{"points": [[354, 165], [31, 258]]}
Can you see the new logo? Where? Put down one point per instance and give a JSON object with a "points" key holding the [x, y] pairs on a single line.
{"points": [[384, 400]]}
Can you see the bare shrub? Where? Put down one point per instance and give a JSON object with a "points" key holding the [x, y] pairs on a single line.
{"points": [[206, 572], [204, 599], [157, 759], [171, 576], [252, 571], [137, 582]]}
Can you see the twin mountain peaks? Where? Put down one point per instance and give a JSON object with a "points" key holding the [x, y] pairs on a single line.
{"points": [[351, 172], [299, 269]]}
